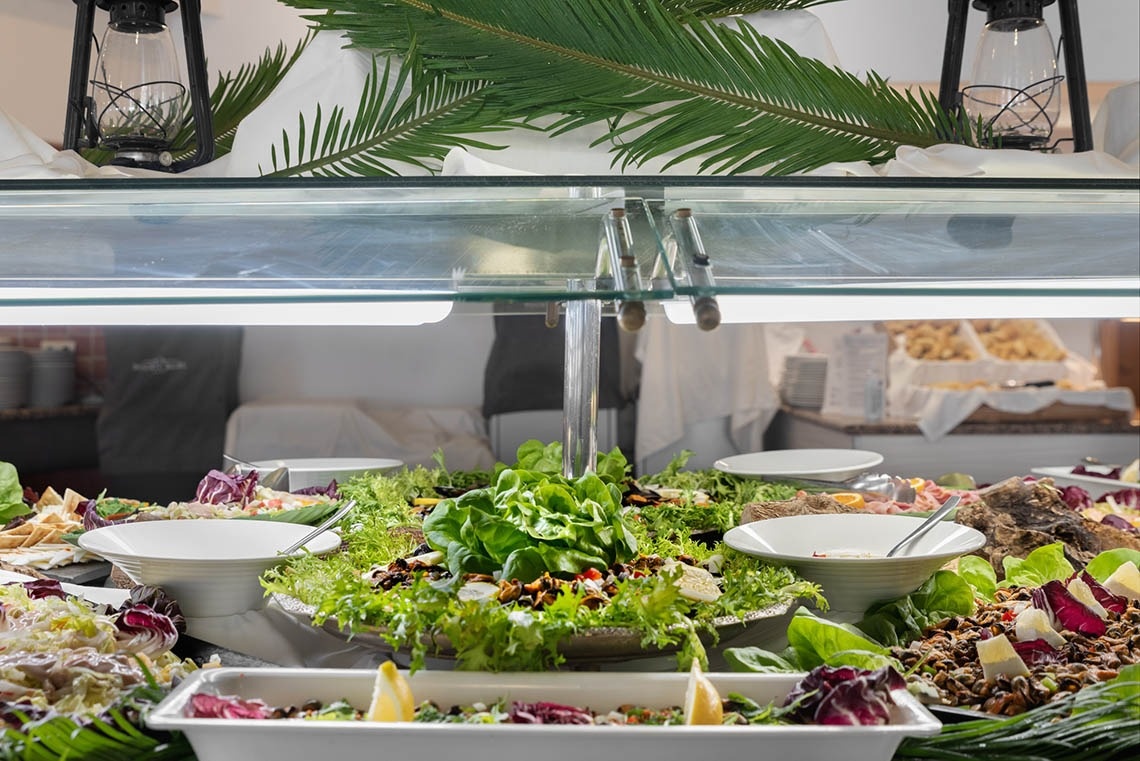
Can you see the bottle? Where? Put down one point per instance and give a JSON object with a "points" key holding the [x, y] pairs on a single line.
{"points": [[873, 398]]}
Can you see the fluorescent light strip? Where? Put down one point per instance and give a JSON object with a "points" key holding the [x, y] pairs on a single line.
{"points": [[56, 306]]}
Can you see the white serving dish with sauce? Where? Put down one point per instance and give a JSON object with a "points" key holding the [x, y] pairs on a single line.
{"points": [[300, 740], [846, 553]]}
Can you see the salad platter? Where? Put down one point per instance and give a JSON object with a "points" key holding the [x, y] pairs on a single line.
{"points": [[218, 739]]}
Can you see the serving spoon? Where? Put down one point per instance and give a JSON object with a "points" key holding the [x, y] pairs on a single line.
{"points": [[926, 525], [276, 479], [325, 526]]}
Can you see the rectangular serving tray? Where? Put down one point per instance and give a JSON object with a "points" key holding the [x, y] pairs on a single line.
{"points": [[288, 739]]}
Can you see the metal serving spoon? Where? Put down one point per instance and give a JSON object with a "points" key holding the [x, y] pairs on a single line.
{"points": [[276, 479], [926, 525], [325, 526]]}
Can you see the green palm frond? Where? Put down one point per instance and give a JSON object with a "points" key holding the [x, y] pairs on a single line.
{"points": [[720, 8], [237, 94], [407, 115], [732, 98]]}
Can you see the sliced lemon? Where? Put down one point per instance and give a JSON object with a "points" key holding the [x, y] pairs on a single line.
{"points": [[918, 484], [850, 498], [702, 701], [392, 698], [1131, 473]]}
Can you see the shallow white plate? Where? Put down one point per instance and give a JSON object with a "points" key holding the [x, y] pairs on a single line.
{"points": [[98, 595], [1064, 476], [823, 464], [318, 471], [300, 740]]}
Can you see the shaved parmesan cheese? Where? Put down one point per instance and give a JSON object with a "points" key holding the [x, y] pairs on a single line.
{"points": [[1124, 581], [1033, 623], [998, 657], [1084, 595]]}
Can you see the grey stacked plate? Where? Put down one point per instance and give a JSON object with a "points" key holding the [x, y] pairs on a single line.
{"points": [[14, 371], [52, 378], [804, 380]]}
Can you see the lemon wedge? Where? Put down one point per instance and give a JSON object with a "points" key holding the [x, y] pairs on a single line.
{"points": [[391, 696], [1131, 473], [702, 701]]}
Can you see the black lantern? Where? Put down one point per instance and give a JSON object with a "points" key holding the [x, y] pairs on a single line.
{"points": [[137, 103], [1014, 87]]}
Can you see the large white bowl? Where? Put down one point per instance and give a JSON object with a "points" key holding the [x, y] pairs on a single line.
{"points": [[850, 583], [211, 567], [305, 472], [294, 740]]}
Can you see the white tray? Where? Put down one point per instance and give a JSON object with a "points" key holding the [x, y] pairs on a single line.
{"points": [[1063, 476], [288, 739]]}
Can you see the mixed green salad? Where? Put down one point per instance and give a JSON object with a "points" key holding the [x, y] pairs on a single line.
{"points": [[517, 560]]}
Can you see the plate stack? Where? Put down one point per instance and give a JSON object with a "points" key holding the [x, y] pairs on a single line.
{"points": [[14, 368], [804, 380], [52, 378]]}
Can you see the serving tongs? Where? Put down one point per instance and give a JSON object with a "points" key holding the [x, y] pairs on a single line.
{"points": [[276, 479], [894, 488]]}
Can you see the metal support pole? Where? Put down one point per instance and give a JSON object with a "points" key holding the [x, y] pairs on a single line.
{"points": [[1077, 85], [580, 395]]}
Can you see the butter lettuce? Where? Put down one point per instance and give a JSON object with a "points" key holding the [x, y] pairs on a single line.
{"points": [[1044, 564], [942, 596], [530, 523], [11, 494]]}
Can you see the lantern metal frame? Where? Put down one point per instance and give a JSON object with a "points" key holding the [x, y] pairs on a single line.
{"points": [[80, 125], [1076, 84]]}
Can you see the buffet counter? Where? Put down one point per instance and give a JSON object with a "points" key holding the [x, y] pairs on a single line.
{"points": [[989, 451]]}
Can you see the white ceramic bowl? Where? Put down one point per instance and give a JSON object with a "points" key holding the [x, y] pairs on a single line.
{"points": [[855, 572], [305, 472], [211, 567]]}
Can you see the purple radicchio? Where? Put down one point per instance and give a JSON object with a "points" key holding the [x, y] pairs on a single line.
{"points": [[545, 712], [205, 706], [1112, 474], [142, 630], [1038, 652], [1076, 498], [157, 600], [41, 588], [1066, 611], [1129, 498], [844, 695], [331, 490], [219, 488], [1110, 602]]}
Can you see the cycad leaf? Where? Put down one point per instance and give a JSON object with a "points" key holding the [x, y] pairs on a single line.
{"points": [[720, 8], [407, 115], [728, 95]]}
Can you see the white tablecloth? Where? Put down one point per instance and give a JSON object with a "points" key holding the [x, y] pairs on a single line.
{"points": [[268, 430]]}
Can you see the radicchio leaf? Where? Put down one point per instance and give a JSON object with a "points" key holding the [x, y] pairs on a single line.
{"points": [[545, 712], [1117, 522], [1123, 498], [1038, 652], [329, 491], [204, 706], [1112, 475], [219, 488], [41, 588], [1110, 602], [142, 630], [844, 695], [1066, 611], [157, 600], [1076, 497]]}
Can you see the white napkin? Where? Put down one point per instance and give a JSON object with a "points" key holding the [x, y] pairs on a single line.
{"points": [[939, 411], [1116, 128]]}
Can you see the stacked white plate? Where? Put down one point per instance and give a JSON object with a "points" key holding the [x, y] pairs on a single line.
{"points": [[14, 370], [804, 380], [52, 378]]}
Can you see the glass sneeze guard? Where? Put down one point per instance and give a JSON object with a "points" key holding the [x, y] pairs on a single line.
{"points": [[329, 252]]}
